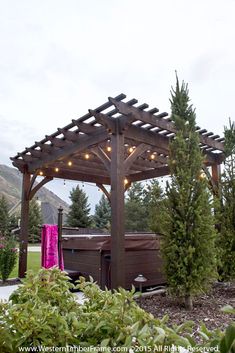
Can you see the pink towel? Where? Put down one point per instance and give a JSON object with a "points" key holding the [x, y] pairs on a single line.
{"points": [[49, 247]]}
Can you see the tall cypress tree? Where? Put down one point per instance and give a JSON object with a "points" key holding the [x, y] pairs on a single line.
{"points": [[102, 216], [226, 239], [188, 245], [79, 210]]}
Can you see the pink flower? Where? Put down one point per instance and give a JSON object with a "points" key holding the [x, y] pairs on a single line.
{"points": [[2, 246], [14, 250]]}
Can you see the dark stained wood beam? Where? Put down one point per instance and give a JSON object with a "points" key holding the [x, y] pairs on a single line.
{"points": [[140, 149], [69, 135], [99, 152], [45, 148], [79, 176], [57, 142], [85, 169], [32, 181], [77, 162], [105, 191], [82, 143], [149, 174], [157, 121], [33, 191], [85, 128], [148, 137], [108, 122]]}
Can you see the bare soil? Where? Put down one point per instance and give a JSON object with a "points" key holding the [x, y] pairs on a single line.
{"points": [[207, 307], [10, 282]]}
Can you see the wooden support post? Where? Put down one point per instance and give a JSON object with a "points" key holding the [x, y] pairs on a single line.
{"points": [[60, 224], [117, 211], [24, 224], [215, 171]]}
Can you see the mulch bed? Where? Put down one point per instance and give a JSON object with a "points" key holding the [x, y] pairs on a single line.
{"points": [[10, 282], [207, 307]]}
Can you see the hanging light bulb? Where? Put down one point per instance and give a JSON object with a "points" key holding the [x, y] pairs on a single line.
{"points": [[56, 169], [69, 163], [131, 149], [87, 156], [152, 156], [41, 172], [126, 181], [64, 183], [109, 148], [202, 175]]}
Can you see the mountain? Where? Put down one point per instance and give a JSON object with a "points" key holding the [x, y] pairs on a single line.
{"points": [[10, 187]]}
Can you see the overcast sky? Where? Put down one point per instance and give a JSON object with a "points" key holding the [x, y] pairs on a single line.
{"points": [[58, 58]]}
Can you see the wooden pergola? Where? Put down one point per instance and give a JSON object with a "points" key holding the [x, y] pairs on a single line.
{"points": [[115, 144]]}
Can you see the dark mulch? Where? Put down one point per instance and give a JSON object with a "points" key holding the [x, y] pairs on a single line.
{"points": [[10, 282], [207, 307]]}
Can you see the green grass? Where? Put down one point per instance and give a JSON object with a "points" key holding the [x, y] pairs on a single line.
{"points": [[34, 263]]}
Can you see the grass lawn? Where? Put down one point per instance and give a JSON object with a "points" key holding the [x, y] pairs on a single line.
{"points": [[34, 263]]}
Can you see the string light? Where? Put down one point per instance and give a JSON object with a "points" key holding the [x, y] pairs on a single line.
{"points": [[64, 183], [131, 149], [69, 163], [41, 172], [87, 156], [126, 181], [109, 148], [56, 169], [202, 175], [152, 156]]}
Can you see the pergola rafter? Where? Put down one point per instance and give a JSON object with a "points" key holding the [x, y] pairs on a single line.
{"points": [[115, 144]]}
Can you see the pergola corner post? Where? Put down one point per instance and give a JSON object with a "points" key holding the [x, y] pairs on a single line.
{"points": [[117, 210], [215, 173], [24, 225]]}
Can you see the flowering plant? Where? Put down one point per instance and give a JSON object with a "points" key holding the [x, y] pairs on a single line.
{"points": [[8, 257]]}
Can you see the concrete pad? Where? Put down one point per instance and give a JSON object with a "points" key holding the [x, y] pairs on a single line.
{"points": [[6, 291]]}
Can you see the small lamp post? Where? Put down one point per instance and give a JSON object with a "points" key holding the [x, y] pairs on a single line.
{"points": [[140, 279]]}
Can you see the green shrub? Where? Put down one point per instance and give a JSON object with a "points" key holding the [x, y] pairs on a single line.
{"points": [[43, 311], [8, 257]]}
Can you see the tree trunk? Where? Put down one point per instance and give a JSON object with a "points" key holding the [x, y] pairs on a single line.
{"points": [[188, 302]]}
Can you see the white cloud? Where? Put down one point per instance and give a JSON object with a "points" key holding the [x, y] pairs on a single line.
{"points": [[59, 58]]}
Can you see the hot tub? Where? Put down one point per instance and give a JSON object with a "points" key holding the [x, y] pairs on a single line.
{"points": [[89, 254]]}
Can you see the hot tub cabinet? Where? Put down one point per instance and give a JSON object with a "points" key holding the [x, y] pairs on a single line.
{"points": [[90, 256]]}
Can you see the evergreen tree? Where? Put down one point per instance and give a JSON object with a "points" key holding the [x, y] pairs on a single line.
{"points": [[78, 215], [136, 211], [35, 220], [226, 239], [102, 216], [155, 200], [4, 217], [188, 245]]}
